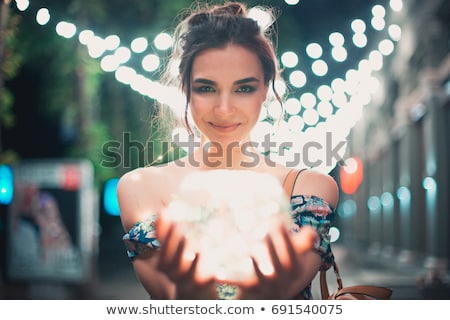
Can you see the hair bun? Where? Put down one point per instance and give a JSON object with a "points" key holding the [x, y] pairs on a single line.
{"points": [[230, 8], [198, 19]]}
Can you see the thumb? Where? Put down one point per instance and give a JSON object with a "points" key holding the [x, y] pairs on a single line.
{"points": [[162, 226]]}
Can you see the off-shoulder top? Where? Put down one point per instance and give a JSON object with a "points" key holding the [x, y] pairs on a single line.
{"points": [[306, 210]]}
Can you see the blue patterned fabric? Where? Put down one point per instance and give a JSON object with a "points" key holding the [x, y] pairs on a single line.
{"points": [[306, 210], [319, 214], [141, 237]]}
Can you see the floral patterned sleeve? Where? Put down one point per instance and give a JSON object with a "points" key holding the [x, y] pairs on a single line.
{"points": [[141, 238], [317, 213]]}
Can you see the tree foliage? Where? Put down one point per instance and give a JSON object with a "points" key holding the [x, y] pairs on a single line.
{"points": [[75, 107], [78, 107]]}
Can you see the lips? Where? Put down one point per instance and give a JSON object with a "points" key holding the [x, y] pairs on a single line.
{"points": [[225, 127]]}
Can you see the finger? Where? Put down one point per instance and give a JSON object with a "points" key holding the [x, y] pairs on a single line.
{"points": [[274, 256], [305, 239], [169, 245], [281, 244], [178, 258], [195, 271], [164, 249], [162, 225], [259, 275], [261, 258], [291, 255]]}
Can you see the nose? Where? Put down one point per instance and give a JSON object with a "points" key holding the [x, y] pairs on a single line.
{"points": [[224, 104]]}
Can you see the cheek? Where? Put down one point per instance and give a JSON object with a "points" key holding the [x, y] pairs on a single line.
{"points": [[195, 103], [198, 107], [256, 107]]}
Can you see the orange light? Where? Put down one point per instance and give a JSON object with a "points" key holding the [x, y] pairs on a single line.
{"points": [[351, 175]]}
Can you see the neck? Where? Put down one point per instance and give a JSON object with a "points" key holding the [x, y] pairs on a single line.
{"points": [[229, 155]]}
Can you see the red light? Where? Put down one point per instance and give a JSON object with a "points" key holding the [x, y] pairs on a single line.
{"points": [[351, 175], [71, 178]]}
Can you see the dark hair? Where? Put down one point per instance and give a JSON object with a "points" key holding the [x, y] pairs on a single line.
{"points": [[215, 27]]}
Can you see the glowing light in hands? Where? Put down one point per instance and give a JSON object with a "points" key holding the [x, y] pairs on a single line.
{"points": [[226, 216]]}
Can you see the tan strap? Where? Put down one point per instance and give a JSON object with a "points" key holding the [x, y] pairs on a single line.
{"points": [[360, 292], [289, 181], [324, 292], [364, 292], [323, 281]]}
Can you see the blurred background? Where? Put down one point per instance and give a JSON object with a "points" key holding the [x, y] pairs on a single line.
{"points": [[78, 84]]}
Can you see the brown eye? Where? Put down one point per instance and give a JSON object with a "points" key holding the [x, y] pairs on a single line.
{"points": [[204, 89], [246, 89]]}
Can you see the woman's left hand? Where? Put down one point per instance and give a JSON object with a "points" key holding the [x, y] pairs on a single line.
{"points": [[285, 250]]}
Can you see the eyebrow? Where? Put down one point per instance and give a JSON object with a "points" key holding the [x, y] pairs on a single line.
{"points": [[241, 81]]}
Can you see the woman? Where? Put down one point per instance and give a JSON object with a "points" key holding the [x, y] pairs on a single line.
{"points": [[227, 65]]}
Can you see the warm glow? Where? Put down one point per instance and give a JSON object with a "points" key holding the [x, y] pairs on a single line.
{"points": [[226, 215]]}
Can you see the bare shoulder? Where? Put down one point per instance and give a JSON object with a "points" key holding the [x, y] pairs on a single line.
{"points": [[140, 193], [312, 182], [133, 181]]}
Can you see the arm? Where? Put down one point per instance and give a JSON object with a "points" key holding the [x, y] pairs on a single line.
{"points": [[294, 273], [138, 201], [317, 184], [158, 259], [324, 187]]}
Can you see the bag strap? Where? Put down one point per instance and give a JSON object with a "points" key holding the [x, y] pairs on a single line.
{"points": [[378, 293], [323, 281], [289, 181], [371, 291]]}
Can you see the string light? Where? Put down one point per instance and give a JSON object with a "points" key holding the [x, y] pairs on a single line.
{"points": [[113, 58]]}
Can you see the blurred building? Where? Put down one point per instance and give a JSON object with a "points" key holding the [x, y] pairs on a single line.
{"points": [[396, 217], [400, 212]]}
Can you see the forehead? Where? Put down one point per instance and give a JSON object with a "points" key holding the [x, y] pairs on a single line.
{"points": [[232, 61]]}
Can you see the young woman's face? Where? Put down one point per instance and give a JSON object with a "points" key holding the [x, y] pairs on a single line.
{"points": [[227, 92]]}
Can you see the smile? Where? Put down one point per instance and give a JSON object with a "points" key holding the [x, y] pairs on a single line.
{"points": [[225, 127]]}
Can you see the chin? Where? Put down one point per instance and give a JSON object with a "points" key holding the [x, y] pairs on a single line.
{"points": [[225, 141], [227, 138]]}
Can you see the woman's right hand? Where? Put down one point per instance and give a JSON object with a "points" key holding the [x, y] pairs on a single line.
{"points": [[179, 268]]}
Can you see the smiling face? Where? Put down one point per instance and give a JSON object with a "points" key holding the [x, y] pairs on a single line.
{"points": [[227, 92]]}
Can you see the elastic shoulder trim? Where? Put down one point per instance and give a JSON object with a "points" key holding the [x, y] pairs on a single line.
{"points": [[289, 181]]}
